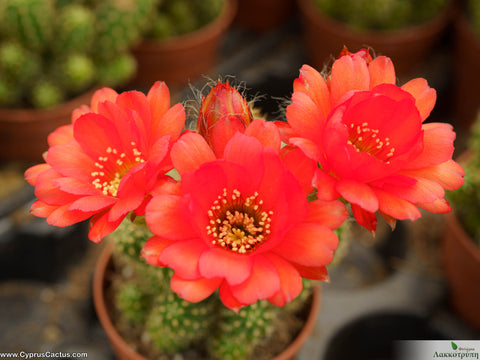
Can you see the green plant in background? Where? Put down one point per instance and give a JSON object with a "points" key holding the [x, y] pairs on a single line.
{"points": [[473, 13], [177, 17], [52, 50], [466, 200], [381, 14], [146, 306]]}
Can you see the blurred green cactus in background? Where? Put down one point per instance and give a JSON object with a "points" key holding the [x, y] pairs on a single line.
{"points": [[178, 17], [473, 14], [381, 14], [466, 200], [52, 50]]}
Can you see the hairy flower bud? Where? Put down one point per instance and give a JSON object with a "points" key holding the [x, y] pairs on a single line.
{"points": [[223, 112]]}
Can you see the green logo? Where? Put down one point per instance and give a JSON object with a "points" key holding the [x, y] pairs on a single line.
{"points": [[454, 346]]}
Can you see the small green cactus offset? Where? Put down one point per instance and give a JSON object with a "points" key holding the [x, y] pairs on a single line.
{"points": [[63, 47], [169, 326]]}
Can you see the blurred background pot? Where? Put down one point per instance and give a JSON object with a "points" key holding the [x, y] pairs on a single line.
{"points": [[467, 71], [124, 351], [407, 46], [461, 258], [183, 58], [24, 132], [264, 15]]}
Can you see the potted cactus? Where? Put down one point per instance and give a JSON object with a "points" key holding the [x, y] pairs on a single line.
{"points": [[183, 41], [467, 63], [52, 52], [144, 319], [461, 241], [405, 30]]}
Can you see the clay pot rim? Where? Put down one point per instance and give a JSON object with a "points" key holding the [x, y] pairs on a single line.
{"points": [[203, 34], [452, 220], [406, 34], [16, 115], [116, 339]]}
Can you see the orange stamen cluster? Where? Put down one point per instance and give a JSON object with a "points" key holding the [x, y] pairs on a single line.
{"points": [[365, 139], [238, 223], [112, 167]]}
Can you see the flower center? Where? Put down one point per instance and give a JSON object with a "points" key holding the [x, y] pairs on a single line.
{"points": [[112, 167], [365, 139], [238, 223]]}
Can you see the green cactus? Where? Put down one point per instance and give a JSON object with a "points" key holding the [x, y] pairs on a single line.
{"points": [[466, 200], [78, 72], [9, 93], [45, 94], [132, 302], [239, 334], [170, 325], [381, 14], [74, 29], [174, 324], [28, 21], [66, 46], [116, 71], [473, 13], [119, 25], [178, 17], [18, 64]]}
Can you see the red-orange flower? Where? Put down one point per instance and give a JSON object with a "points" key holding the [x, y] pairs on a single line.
{"points": [[240, 224], [106, 162], [369, 140]]}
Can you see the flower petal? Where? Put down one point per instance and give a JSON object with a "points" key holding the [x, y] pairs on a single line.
{"points": [[325, 185], [425, 96], [395, 207], [165, 217], [159, 100], [183, 257], [92, 203], [365, 218], [331, 214], [194, 290], [308, 147], [101, 227], [266, 132], [290, 281], [153, 248], [304, 117], [263, 283], [348, 73], [381, 71], [358, 193], [312, 83], [235, 268], [308, 244], [190, 151]]}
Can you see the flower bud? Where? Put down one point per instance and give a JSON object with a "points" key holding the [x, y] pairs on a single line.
{"points": [[223, 112]]}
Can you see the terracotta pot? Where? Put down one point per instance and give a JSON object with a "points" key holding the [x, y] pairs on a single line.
{"points": [[461, 257], [182, 58], [467, 73], [264, 15], [23, 132], [407, 47], [124, 352]]}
